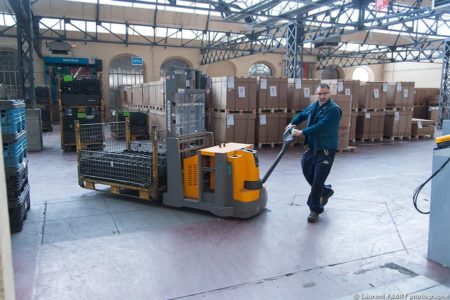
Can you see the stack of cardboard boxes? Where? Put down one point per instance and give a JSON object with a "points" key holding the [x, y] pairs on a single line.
{"points": [[426, 104], [371, 111], [422, 128], [233, 109], [400, 104], [345, 103], [348, 88], [272, 110], [149, 98], [300, 92]]}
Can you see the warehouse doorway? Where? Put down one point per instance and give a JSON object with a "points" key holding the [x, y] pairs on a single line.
{"points": [[259, 70], [363, 74], [9, 73], [172, 62], [122, 74], [330, 73]]}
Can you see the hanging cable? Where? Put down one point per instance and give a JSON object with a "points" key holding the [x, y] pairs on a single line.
{"points": [[419, 188]]}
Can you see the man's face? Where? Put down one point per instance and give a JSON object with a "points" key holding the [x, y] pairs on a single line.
{"points": [[323, 94]]}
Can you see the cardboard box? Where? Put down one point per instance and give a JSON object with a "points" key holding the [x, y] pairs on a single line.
{"points": [[396, 124], [125, 95], [370, 125], [234, 127], [373, 95], [426, 96], [157, 118], [137, 94], [345, 103], [434, 114], [272, 93], [353, 117], [345, 87], [400, 94], [343, 140], [299, 92], [420, 111], [422, 127], [233, 93], [270, 127]]}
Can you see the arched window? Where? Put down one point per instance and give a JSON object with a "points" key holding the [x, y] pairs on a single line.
{"points": [[173, 62], [330, 73], [259, 69], [9, 74], [122, 73], [361, 74]]}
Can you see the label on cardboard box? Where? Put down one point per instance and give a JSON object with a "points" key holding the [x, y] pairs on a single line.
{"points": [[180, 91], [419, 124], [298, 83], [396, 117], [262, 120], [230, 82], [367, 115], [263, 84], [376, 93], [306, 92], [399, 86], [348, 92], [273, 91], [385, 87], [405, 93], [340, 86], [431, 108], [230, 120], [241, 91]]}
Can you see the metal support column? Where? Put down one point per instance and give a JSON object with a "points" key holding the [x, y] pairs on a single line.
{"points": [[24, 17], [294, 50], [445, 85]]}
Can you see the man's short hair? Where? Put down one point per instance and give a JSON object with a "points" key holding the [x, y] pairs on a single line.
{"points": [[323, 86]]}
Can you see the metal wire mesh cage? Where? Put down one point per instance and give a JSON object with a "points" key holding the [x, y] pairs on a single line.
{"points": [[103, 157]]}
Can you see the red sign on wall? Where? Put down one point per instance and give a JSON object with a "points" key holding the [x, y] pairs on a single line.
{"points": [[381, 4]]}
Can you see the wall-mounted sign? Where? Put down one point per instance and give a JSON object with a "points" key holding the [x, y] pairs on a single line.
{"points": [[137, 61]]}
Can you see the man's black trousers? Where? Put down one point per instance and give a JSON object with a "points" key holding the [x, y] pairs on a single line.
{"points": [[316, 167]]}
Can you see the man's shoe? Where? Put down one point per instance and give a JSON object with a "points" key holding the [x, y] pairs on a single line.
{"points": [[324, 199], [313, 217]]}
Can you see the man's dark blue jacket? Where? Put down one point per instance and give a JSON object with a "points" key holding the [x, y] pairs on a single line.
{"points": [[322, 129]]}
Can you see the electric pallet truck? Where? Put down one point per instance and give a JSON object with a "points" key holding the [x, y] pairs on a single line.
{"points": [[222, 179]]}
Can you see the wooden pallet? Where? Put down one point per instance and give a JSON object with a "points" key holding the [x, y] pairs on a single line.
{"points": [[363, 140], [138, 137], [271, 110], [398, 138], [271, 145], [371, 109], [117, 188], [347, 149], [235, 111], [426, 136], [393, 108]]}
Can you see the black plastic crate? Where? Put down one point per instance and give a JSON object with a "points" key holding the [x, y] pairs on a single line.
{"points": [[81, 100], [17, 200], [16, 178], [81, 87], [18, 213], [42, 92]]}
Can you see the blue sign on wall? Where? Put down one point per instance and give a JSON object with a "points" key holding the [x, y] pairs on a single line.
{"points": [[137, 61], [69, 60]]}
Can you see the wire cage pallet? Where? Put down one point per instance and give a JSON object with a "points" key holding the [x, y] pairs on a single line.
{"points": [[126, 167]]}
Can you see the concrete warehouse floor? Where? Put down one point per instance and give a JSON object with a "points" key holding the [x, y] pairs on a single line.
{"points": [[82, 244]]}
